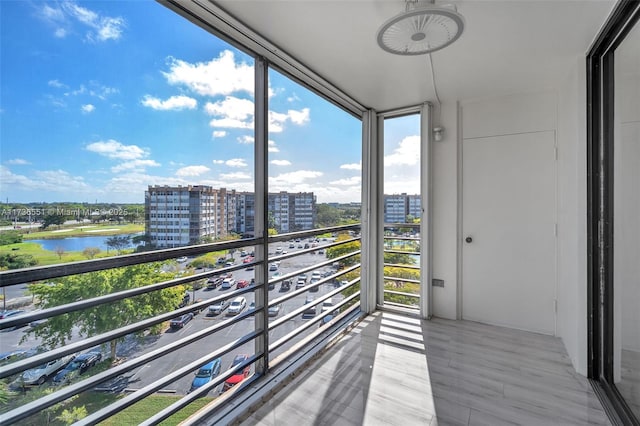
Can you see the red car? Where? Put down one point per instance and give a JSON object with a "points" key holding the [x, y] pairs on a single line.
{"points": [[242, 284], [240, 375], [248, 259]]}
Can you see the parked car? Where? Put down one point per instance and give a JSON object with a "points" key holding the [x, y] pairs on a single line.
{"points": [[218, 307], [213, 282], [300, 283], [244, 253], [227, 283], [185, 300], [252, 305], [182, 259], [240, 375], [273, 267], [40, 374], [79, 365], [12, 313], [274, 310], [248, 259], [327, 305], [181, 321], [242, 284], [206, 373], [229, 263], [237, 305], [285, 286], [311, 311]]}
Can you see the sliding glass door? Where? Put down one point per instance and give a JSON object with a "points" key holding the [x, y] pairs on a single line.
{"points": [[614, 214]]}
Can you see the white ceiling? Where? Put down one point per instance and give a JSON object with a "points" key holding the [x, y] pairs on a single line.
{"points": [[507, 46]]}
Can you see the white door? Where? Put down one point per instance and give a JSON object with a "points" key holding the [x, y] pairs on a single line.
{"points": [[508, 240]]}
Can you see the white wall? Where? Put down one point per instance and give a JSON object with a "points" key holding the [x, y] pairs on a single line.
{"points": [[445, 205], [572, 208]]}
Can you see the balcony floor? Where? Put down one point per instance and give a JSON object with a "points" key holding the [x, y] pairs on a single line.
{"points": [[469, 374]]}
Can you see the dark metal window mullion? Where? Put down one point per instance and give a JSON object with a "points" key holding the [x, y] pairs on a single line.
{"points": [[261, 228]]}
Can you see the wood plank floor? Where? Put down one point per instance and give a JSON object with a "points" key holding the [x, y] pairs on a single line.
{"points": [[397, 370]]}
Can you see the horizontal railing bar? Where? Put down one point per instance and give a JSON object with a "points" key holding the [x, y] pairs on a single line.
{"points": [[108, 298], [402, 265], [388, 237], [287, 337], [401, 225], [281, 257], [404, 280], [400, 305], [401, 293], [415, 253], [312, 232], [39, 273]]}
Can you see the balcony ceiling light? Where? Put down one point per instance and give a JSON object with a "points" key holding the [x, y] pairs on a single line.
{"points": [[421, 28]]}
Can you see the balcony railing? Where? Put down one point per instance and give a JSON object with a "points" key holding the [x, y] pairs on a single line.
{"points": [[163, 366], [402, 273]]}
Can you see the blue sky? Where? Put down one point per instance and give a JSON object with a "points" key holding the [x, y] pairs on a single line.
{"points": [[100, 99]]}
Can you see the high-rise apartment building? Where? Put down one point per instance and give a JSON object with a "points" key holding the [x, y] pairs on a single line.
{"points": [[289, 212], [182, 215], [398, 207]]}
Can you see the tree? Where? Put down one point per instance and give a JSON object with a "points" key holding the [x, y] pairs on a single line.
{"points": [[327, 215], [16, 261], [337, 251], [72, 415], [52, 219], [10, 237], [118, 242], [59, 250], [96, 320], [91, 252]]}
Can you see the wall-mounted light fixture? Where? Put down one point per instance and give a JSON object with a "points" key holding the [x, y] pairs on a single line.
{"points": [[438, 133]]}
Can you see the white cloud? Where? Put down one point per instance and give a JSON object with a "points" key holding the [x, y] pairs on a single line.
{"points": [[102, 28], [352, 181], [138, 165], [218, 161], [220, 76], [57, 84], [285, 179], [219, 133], [236, 162], [114, 149], [272, 147], [406, 154], [65, 16], [231, 112], [299, 117], [58, 181], [18, 162], [352, 166], [277, 120], [235, 175], [246, 139], [231, 123], [293, 98], [192, 171], [88, 108], [281, 162], [173, 103]]}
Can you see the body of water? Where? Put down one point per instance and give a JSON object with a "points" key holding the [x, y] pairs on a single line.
{"points": [[79, 243]]}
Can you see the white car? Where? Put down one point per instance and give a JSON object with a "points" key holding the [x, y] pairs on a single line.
{"points": [[182, 259], [228, 283], [237, 305], [40, 374]]}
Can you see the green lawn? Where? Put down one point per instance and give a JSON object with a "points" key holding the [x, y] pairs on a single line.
{"points": [[146, 408], [47, 257], [85, 230]]}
